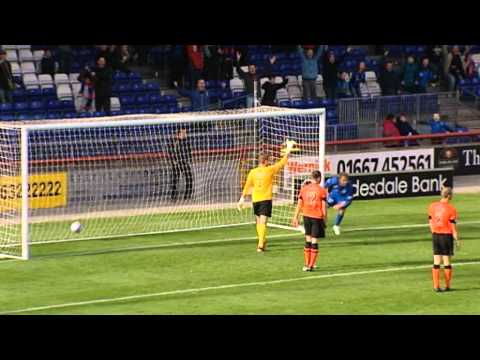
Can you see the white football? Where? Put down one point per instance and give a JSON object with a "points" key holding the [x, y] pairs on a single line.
{"points": [[76, 227]]}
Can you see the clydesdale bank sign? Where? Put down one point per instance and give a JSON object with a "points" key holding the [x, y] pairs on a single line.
{"points": [[401, 184]]}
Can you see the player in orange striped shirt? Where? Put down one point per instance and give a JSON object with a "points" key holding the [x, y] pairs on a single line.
{"points": [[312, 203], [442, 217]]}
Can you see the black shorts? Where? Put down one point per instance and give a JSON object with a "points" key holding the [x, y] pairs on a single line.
{"points": [[443, 244], [263, 208], [314, 227]]}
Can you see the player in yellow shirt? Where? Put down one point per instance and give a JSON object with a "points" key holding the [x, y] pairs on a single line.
{"points": [[261, 180]]}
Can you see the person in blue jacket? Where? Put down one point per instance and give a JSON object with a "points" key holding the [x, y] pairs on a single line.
{"points": [[309, 71], [438, 126], [340, 197], [198, 96]]}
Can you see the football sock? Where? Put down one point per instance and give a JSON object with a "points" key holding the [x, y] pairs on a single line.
{"points": [[338, 219], [262, 232], [313, 255], [447, 272], [436, 276], [306, 252]]}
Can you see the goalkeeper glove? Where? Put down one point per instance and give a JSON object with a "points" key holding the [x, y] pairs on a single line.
{"points": [[240, 204], [289, 146]]}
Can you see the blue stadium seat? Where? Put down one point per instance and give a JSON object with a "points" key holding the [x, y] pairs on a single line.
{"points": [[5, 107], [54, 105], [19, 95], [21, 106], [141, 100], [33, 93], [24, 117], [284, 103], [37, 106], [7, 117], [68, 105], [298, 104], [151, 87], [133, 76], [99, 114], [48, 92], [127, 100], [138, 88], [154, 99]]}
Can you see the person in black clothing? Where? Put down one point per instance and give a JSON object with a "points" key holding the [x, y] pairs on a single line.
{"points": [[406, 129], [47, 64], [181, 159], [389, 81], [251, 79], [7, 85], [330, 72], [271, 89], [103, 85]]}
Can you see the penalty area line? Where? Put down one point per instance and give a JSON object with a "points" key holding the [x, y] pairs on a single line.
{"points": [[223, 287]]}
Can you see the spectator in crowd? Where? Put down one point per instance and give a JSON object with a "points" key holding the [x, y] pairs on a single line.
{"points": [[7, 84], [102, 76], [469, 67], [65, 58], [425, 76], [251, 79], [271, 88], [435, 54], [198, 97], [122, 58], [47, 65], [409, 74], [454, 68], [389, 81], [330, 72], [177, 64], [87, 92], [104, 52], [343, 86], [309, 71], [438, 126], [406, 129], [390, 129], [196, 64], [358, 78]]}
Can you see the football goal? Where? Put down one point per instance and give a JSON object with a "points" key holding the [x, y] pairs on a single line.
{"points": [[144, 174]]}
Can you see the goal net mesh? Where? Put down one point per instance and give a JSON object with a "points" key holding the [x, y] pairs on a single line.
{"points": [[170, 174]]}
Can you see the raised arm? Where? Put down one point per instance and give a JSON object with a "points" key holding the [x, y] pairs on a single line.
{"points": [[301, 52], [280, 164]]}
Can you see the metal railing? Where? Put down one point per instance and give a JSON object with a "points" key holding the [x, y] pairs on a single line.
{"points": [[369, 113]]}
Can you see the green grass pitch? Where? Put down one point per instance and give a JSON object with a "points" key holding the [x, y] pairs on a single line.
{"points": [[379, 265]]}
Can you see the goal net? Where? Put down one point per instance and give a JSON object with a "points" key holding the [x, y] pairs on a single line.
{"points": [[145, 174]]}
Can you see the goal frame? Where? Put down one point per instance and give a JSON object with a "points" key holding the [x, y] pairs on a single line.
{"points": [[136, 120]]}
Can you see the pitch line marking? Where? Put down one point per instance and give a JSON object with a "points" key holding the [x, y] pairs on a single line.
{"points": [[291, 234], [222, 287]]}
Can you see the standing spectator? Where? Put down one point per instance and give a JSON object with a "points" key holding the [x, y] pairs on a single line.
{"points": [[181, 158], [343, 86], [469, 67], [195, 63], [425, 76], [198, 97], [103, 85], [358, 78], [271, 89], [7, 84], [454, 68], [252, 82], [388, 81], [65, 58], [309, 71], [390, 129], [330, 72], [47, 65], [87, 91], [177, 64], [103, 51], [409, 75], [435, 55], [120, 57]]}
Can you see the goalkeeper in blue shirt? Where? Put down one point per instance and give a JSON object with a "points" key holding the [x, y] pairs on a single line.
{"points": [[340, 196]]}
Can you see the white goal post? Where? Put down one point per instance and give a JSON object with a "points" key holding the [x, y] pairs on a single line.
{"points": [[145, 174]]}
